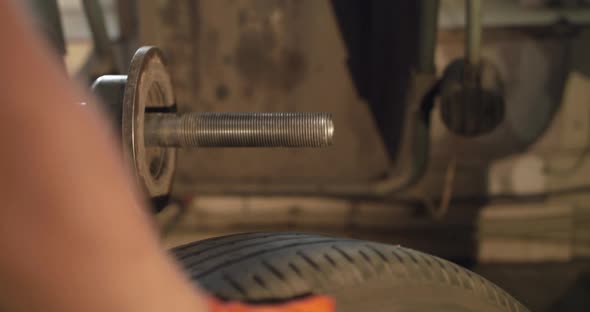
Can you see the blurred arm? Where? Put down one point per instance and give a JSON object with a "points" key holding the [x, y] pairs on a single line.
{"points": [[74, 235]]}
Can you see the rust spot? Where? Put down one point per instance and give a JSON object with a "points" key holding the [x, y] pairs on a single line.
{"points": [[222, 92], [262, 60], [212, 37], [242, 17], [168, 15], [248, 91]]}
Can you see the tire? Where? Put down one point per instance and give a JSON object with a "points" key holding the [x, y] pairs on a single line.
{"points": [[359, 275]]}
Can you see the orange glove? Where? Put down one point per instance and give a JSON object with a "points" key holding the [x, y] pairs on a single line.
{"points": [[308, 304]]}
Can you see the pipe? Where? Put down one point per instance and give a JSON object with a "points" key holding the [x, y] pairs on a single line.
{"points": [[49, 22], [428, 31], [100, 37], [473, 15]]}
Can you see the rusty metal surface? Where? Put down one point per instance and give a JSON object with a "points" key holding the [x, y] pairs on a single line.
{"points": [[148, 85], [274, 55], [207, 42]]}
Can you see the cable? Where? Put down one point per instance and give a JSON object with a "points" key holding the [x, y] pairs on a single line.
{"points": [[449, 184], [438, 212]]}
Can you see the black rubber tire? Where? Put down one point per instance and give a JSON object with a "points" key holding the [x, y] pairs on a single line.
{"points": [[359, 275]]}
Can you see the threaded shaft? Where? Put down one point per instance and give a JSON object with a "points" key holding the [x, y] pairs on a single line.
{"points": [[239, 129]]}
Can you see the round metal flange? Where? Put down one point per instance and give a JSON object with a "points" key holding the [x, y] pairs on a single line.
{"points": [[148, 88], [472, 98]]}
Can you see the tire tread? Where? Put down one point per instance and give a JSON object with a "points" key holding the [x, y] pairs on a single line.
{"points": [[288, 265]]}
